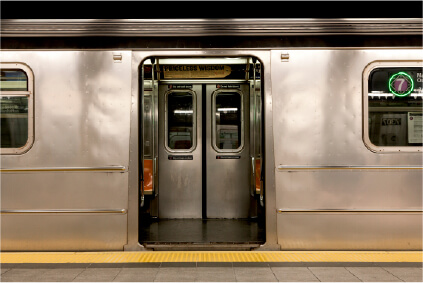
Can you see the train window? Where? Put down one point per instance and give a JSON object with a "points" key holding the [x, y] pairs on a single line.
{"points": [[180, 123], [16, 125], [394, 103], [13, 80], [227, 126]]}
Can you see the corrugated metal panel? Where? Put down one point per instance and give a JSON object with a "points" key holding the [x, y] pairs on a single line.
{"points": [[207, 27]]}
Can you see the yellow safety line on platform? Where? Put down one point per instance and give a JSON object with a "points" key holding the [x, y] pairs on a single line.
{"points": [[207, 256]]}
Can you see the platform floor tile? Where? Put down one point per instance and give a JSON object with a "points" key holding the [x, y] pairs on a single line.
{"points": [[294, 274], [214, 272], [406, 274], [331, 274], [258, 274], [373, 274], [136, 275], [23, 275], [177, 274], [59, 275], [98, 275]]}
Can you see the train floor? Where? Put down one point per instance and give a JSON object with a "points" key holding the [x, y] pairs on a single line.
{"points": [[236, 232]]}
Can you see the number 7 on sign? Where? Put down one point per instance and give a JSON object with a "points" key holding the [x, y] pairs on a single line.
{"points": [[401, 83]]}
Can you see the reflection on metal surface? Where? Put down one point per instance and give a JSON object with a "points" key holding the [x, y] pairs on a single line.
{"points": [[79, 158], [207, 27], [106, 168], [340, 195], [61, 211], [350, 231]]}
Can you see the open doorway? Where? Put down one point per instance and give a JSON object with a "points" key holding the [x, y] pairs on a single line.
{"points": [[201, 153]]}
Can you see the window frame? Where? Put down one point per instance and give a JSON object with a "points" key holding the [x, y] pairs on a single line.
{"points": [[214, 128], [366, 73], [194, 121], [30, 94]]}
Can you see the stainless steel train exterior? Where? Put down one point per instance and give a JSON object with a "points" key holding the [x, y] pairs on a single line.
{"points": [[74, 185]]}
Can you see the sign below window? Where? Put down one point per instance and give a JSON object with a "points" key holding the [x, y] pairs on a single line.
{"points": [[179, 86], [228, 157], [180, 157], [227, 86]]}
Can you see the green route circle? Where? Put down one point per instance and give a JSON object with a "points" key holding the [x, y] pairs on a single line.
{"points": [[401, 84]]}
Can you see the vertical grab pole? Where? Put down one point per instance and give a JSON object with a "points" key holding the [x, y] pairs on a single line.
{"points": [[260, 108], [257, 136], [141, 148], [154, 125], [253, 130]]}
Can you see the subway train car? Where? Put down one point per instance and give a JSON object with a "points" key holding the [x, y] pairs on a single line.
{"points": [[211, 134]]}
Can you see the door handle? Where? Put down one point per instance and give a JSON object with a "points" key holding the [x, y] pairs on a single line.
{"points": [[261, 184], [155, 179], [253, 176]]}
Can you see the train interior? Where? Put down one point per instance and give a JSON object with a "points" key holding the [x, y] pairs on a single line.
{"points": [[201, 132]]}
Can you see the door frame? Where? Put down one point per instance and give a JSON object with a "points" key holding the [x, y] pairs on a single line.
{"points": [[265, 57]]}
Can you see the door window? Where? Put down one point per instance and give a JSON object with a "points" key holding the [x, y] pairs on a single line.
{"points": [[180, 121], [227, 118]]}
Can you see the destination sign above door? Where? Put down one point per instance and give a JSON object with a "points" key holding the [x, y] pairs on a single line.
{"points": [[201, 71], [195, 71]]}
